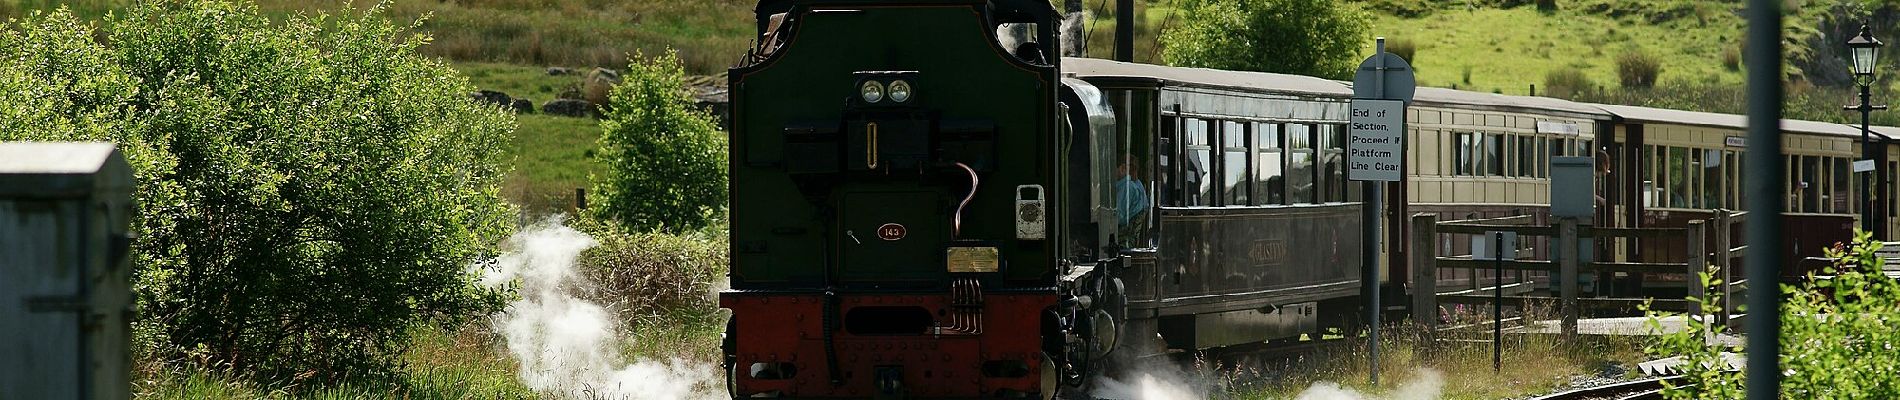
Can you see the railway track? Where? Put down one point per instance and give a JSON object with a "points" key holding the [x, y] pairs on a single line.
{"points": [[1647, 389]]}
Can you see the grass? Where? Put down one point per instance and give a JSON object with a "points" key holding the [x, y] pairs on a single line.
{"points": [[464, 363], [1509, 50], [553, 156], [709, 34], [1533, 364]]}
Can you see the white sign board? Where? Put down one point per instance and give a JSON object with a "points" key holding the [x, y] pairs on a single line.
{"points": [[1863, 165], [1481, 246], [1376, 150]]}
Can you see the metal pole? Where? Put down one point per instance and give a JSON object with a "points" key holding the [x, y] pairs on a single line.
{"points": [[1497, 303], [1369, 249], [1867, 153], [1766, 188]]}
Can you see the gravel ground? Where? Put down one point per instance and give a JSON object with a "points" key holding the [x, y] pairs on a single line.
{"points": [[1609, 375]]}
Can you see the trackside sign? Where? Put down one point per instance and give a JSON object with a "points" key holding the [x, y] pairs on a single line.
{"points": [[1376, 149]]}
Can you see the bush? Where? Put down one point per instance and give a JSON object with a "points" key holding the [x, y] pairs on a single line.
{"points": [[1732, 58], [1837, 336], [1637, 69], [1320, 38], [665, 159], [1404, 48], [310, 190], [648, 278], [1566, 83]]}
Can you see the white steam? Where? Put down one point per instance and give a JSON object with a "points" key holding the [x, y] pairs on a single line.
{"points": [[1426, 385], [568, 346], [1148, 386]]}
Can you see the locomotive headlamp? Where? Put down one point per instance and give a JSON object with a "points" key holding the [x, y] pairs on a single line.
{"points": [[875, 87], [900, 91], [872, 91]]}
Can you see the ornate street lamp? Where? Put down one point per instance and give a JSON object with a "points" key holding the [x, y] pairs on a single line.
{"points": [[1865, 49]]}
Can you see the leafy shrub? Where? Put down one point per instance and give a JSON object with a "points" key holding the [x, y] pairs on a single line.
{"points": [[310, 189], [1637, 69], [1303, 37], [1404, 48], [647, 277], [665, 159], [1732, 58], [1838, 336], [1566, 82]]}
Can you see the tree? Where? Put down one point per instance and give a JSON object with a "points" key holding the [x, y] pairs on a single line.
{"points": [[666, 160], [310, 189], [1304, 37]]}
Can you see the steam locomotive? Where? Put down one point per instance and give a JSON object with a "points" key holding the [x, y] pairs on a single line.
{"points": [[925, 206]]}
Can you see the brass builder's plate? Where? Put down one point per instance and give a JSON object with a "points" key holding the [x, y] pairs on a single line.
{"points": [[971, 259]]}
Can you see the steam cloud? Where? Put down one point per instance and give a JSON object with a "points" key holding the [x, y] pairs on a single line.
{"points": [[1427, 385], [567, 346], [1168, 384]]}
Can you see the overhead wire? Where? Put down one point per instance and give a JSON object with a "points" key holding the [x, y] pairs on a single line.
{"points": [[1156, 48], [1093, 21]]}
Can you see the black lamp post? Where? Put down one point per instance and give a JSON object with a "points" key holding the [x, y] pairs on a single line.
{"points": [[1865, 48]]}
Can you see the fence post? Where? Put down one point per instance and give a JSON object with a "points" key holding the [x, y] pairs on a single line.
{"points": [[1697, 263], [1723, 261], [1425, 271], [1567, 268]]}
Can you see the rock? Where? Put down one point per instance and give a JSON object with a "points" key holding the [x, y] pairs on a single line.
{"points": [[524, 106], [558, 71], [569, 107], [603, 74], [495, 98]]}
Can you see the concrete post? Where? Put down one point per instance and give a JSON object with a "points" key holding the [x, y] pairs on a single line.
{"points": [[1697, 264], [1567, 268], [1723, 263]]}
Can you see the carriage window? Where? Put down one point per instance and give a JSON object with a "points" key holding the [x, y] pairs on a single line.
{"points": [[1299, 166], [1811, 174], [1333, 142], [1197, 163], [1713, 184], [1234, 156], [1527, 156], [1270, 163], [1494, 155], [1842, 188], [1647, 173], [1466, 157], [1543, 159], [1676, 168], [1168, 190]]}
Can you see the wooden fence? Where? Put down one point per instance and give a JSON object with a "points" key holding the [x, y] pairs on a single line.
{"points": [[1707, 252]]}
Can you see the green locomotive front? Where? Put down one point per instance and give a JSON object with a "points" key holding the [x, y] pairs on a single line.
{"points": [[896, 201]]}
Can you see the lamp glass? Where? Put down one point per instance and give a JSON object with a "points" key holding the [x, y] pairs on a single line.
{"points": [[1864, 60]]}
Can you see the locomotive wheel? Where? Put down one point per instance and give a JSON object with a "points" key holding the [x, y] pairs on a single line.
{"points": [[732, 380], [1049, 379]]}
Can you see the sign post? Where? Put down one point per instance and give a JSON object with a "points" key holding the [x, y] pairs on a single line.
{"points": [[1375, 156]]}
